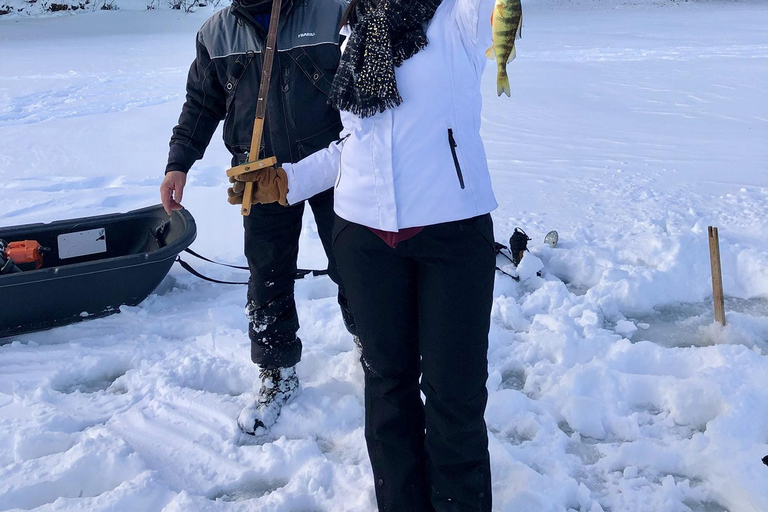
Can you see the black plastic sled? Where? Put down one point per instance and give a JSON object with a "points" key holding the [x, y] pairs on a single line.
{"points": [[90, 267]]}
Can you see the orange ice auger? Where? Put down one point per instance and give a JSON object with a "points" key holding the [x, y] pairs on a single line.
{"points": [[27, 252]]}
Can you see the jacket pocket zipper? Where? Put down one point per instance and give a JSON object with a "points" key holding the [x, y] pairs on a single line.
{"points": [[452, 143], [341, 154]]}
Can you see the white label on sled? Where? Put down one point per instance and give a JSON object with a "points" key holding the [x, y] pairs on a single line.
{"points": [[82, 243]]}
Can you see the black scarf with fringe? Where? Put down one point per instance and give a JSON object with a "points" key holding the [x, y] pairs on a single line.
{"points": [[385, 34]]}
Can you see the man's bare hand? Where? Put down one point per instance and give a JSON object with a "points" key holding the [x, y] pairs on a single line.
{"points": [[171, 191]]}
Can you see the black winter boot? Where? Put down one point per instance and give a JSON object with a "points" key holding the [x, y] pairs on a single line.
{"points": [[278, 387]]}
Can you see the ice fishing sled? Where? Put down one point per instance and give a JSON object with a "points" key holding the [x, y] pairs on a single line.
{"points": [[70, 270]]}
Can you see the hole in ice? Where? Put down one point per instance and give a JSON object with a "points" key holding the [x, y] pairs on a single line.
{"points": [[565, 428], [588, 453], [513, 379], [578, 290], [513, 437], [326, 446], [88, 386], [248, 490], [705, 506], [681, 324]]}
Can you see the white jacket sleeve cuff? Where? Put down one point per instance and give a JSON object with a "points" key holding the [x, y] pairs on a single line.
{"points": [[313, 174], [474, 19]]}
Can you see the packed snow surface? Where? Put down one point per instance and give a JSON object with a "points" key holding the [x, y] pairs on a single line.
{"points": [[629, 130]]}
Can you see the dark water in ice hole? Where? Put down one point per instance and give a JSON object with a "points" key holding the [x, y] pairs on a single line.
{"points": [[682, 324]]}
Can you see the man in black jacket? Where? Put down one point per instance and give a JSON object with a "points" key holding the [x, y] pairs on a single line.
{"points": [[223, 83]]}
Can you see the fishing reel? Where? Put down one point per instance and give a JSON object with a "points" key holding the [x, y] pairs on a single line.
{"points": [[518, 244]]}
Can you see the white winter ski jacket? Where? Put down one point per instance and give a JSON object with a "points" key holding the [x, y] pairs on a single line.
{"points": [[423, 162]]}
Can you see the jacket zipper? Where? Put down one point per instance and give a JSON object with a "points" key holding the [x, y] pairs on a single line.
{"points": [[452, 143], [341, 154], [285, 87]]}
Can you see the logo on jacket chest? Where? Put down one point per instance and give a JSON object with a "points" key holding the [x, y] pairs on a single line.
{"points": [[306, 34]]}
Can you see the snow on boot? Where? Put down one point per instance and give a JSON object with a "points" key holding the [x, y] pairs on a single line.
{"points": [[278, 387]]}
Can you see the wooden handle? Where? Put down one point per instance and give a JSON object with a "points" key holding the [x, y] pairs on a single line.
{"points": [[261, 108], [717, 275], [252, 166], [247, 199]]}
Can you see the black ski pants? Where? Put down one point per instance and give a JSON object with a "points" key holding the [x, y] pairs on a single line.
{"points": [[423, 312], [272, 249]]}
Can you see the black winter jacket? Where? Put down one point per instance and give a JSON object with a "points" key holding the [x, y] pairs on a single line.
{"points": [[224, 79]]}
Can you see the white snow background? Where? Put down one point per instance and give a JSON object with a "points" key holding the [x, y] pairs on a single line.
{"points": [[630, 130]]}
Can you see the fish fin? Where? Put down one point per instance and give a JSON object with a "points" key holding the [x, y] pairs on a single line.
{"points": [[519, 34], [490, 53], [502, 85], [512, 54]]}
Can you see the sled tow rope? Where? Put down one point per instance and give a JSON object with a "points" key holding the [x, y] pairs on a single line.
{"points": [[300, 273]]}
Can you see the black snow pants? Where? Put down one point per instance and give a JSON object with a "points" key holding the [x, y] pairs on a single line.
{"points": [[423, 311], [272, 248]]}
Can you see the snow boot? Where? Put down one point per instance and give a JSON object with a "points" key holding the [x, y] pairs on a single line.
{"points": [[278, 387]]}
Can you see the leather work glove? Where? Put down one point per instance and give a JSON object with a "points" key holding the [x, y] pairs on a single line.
{"points": [[270, 185]]}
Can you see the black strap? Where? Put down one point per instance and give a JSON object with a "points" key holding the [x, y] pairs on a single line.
{"points": [[193, 253], [311, 71], [186, 266], [497, 247], [506, 256], [516, 278], [300, 273]]}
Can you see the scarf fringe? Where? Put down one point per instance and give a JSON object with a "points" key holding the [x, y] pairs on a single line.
{"points": [[369, 110], [403, 52]]}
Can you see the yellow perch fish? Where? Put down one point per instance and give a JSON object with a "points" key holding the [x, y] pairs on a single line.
{"points": [[507, 23]]}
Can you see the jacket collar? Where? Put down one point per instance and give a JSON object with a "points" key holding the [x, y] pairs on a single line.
{"points": [[256, 7]]}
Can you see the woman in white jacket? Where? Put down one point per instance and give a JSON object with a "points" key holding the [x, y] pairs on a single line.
{"points": [[414, 242]]}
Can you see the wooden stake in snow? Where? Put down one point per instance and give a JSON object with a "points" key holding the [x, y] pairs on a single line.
{"points": [[717, 275]]}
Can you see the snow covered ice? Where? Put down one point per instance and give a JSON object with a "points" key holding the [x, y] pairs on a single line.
{"points": [[631, 128]]}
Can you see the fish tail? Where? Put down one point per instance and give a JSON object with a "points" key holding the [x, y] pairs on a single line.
{"points": [[502, 84]]}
